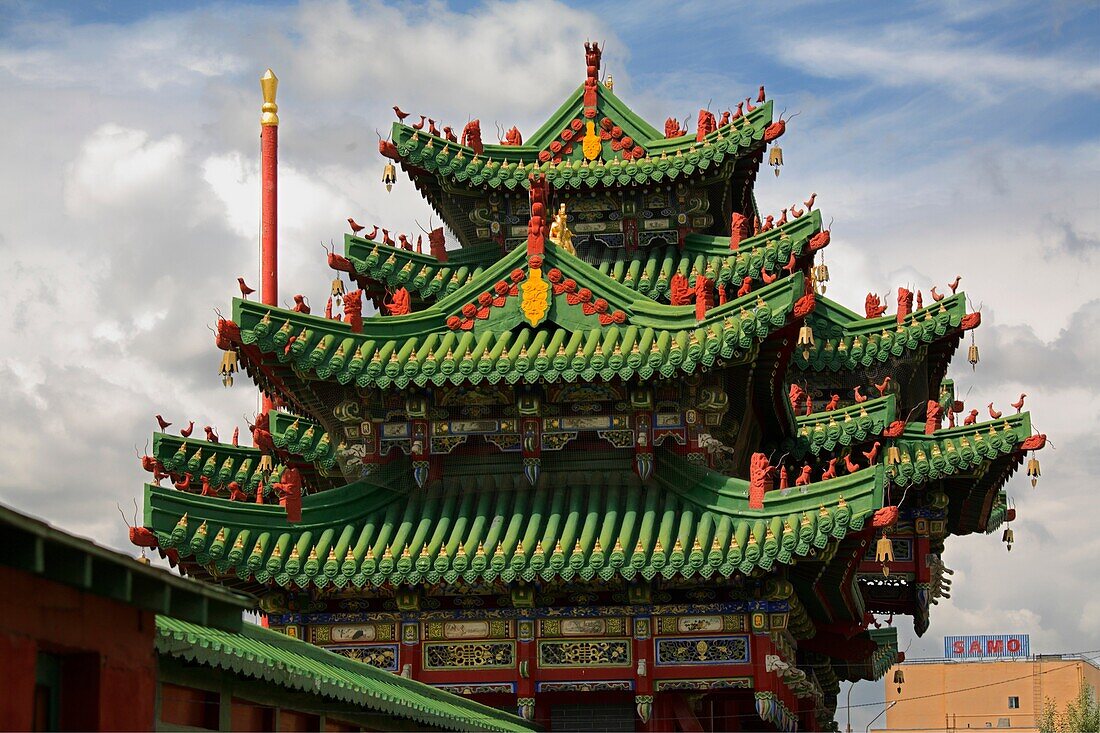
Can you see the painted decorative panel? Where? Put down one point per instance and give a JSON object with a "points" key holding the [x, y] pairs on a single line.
{"points": [[702, 624], [457, 655], [595, 686], [723, 683], [705, 650], [555, 627], [485, 688], [480, 629], [603, 653], [383, 656]]}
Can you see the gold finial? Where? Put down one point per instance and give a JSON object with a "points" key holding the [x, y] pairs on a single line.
{"points": [[269, 83]]}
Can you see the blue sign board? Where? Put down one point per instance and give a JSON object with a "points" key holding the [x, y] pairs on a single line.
{"points": [[986, 646]]}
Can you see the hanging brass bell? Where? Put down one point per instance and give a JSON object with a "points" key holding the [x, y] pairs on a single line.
{"points": [[337, 288], [775, 158], [1007, 538], [389, 176], [1033, 470], [805, 340], [972, 355], [884, 553], [899, 678], [228, 368], [267, 465], [893, 455]]}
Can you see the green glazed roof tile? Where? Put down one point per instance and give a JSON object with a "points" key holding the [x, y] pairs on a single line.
{"points": [[431, 347], [844, 341], [301, 667], [959, 450], [827, 430], [474, 525]]}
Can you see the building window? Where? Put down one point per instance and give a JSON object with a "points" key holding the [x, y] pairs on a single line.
{"points": [[1013, 703]]}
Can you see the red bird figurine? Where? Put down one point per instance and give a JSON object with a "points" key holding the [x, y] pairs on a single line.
{"points": [[164, 424], [1018, 405], [245, 290], [184, 485], [859, 397], [419, 125], [401, 115], [749, 106], [993, 413], [872, 455], [373, 232], [768, 279], [796, 212], [792, 263], [355, 228], [186, 432], [954, 284], [810, 201], [935, 296], [884, 386]]}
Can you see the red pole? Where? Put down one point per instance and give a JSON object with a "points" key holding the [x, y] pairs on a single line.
{"points": [[269, 161], [269, 182]]}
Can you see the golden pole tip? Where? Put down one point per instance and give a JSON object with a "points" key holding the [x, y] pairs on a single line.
{"points": [[269, 84]]}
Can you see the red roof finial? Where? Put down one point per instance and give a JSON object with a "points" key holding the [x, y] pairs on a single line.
{"points": [[592, 54]]}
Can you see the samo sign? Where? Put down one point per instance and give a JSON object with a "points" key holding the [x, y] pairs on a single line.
{"points": [[972, 647]]}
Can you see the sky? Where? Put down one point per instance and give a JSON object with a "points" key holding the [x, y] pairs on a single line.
{"points": [[942, 138]]}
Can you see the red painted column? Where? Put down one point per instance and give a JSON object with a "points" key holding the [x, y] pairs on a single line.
{"points": [[269, 184]]}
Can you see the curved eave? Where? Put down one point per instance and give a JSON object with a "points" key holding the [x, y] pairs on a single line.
{"points": [[420, 349], [508, 168], [646, 272], [859, 344], [830, 430], [965, 451], [599, 523]]}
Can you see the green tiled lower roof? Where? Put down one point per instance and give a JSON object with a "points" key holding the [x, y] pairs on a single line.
{"points": [[649, 272], [399, 351], [222, 463], [957, 450], [843, 346], [301, 667], [828, 430], [483, 522]]}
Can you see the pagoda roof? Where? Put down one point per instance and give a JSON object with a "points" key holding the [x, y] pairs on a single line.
{"points": [[827, 430], [509, 166], [844, 341], [959, 450], [221, 463], [872, 667], [594, 327], [648, 271], [300, 667], [483, 523]]}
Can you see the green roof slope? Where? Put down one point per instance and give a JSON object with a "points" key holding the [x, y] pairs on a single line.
{"points": [[483, 523], [301, 667]]}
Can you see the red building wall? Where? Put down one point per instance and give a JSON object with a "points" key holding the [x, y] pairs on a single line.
{"points": [[106, 649]]}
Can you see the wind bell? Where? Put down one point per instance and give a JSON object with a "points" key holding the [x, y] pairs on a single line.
{"points": [[1033, 470], [884, 553], [805, 340], [972, 353], [775, 158], [337, 289], [228, 367], [1007, 538], [899, 679], [819, 273], [389, 176]]}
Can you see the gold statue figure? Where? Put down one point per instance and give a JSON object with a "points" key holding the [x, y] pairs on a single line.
{"points": [[559, 232]]}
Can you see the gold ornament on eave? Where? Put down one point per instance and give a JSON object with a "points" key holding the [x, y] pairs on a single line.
{"points": [[228, 368]]}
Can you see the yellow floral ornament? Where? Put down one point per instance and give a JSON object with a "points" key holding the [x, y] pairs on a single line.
{"points": [[535, 297]]}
